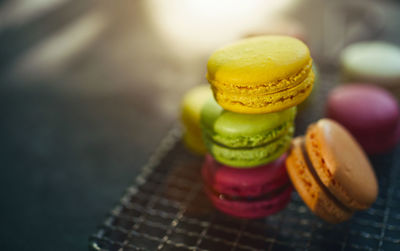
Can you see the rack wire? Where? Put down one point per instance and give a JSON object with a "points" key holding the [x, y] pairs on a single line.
{"points": [[167, 209]]}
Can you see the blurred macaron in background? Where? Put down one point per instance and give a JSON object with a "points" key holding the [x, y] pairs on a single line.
{"points": [[369, 112], [89, 90], [376, 62]]}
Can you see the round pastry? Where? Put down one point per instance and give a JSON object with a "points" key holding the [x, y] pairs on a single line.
{"points": [[246, 140], [370, 113], [261, 74], [331, 172], [191, 106], [372, 62], [247, 193]]}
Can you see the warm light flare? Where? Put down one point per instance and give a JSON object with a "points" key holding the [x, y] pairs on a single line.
{"points": [[203, 25]]}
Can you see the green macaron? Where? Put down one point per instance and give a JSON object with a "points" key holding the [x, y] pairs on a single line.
{"points": [[246, 140]]}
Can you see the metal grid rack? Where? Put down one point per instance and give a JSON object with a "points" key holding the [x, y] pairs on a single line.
{"points": [[166, 209]]}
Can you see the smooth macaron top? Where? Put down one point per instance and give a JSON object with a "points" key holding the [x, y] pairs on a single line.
{"points": [[364, 109], [341, 164], [371, 60], [250, 182], [260, 60], [223, 125]]}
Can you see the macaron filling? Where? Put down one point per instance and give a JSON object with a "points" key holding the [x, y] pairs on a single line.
{"points": [[262, 98], [246, 140], [264, 88], [311, 168], [241, 141], [248, 157]]}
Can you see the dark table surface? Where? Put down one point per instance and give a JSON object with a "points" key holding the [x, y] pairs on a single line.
{"points": [[88, 90]]}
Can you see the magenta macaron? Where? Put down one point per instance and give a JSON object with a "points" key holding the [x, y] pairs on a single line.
{"points": [[369, 112], [247, 193]]}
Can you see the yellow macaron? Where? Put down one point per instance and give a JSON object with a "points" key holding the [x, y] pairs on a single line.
{"points": [[261, 74], [191, 106]]}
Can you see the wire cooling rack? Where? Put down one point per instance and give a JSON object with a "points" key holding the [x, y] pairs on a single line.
{"points": [[167, 209]]}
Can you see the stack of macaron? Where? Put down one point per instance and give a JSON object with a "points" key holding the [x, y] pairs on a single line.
{"points": [[248, 125]]}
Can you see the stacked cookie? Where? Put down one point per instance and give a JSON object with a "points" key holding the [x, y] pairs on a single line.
{"points": [[191, 106], [248, 127]]}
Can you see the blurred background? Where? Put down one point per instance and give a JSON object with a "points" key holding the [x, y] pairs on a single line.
{"points": [[89, 88]]}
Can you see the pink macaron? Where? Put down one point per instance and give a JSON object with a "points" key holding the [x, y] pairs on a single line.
{"points": [[247, 193], [369, 112]]}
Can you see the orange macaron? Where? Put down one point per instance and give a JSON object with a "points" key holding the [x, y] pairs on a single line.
{"points": [[331, 172]]}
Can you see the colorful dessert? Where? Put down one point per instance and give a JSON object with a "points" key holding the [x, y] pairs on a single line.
{"points": [[369, 112], [375, 62], [261, 74], [246, 140], [247, 193], [331, 172], [191, 106]]}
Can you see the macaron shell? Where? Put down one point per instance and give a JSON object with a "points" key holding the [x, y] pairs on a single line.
{"points": [[261, 74], [244, 182], [191, 107], [243, 140], [247, 141], [372, 61], [341, 164], [194, 142], [192, 104], [369, 112], [363, 109], [251, 209], [229, 124], [309, 189], [258, 60]]}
